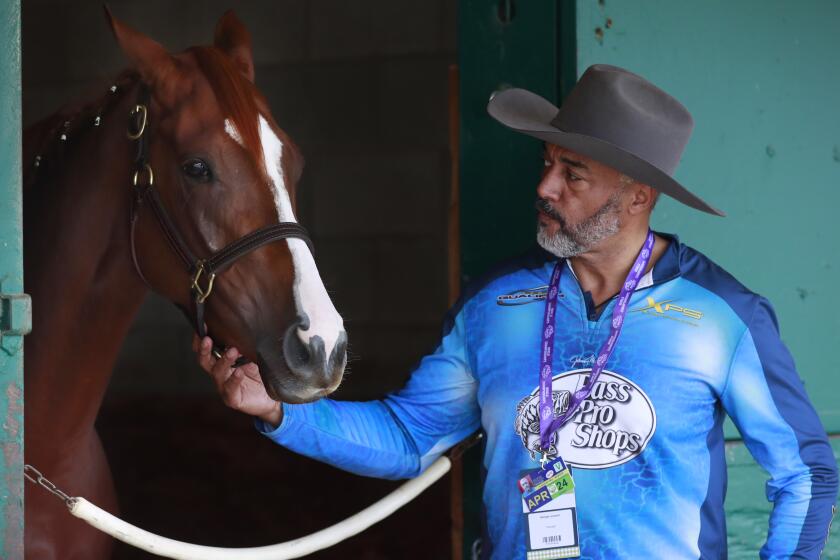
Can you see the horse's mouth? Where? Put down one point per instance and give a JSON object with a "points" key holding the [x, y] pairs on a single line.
{"points": [[285, 387], [297, 397]]}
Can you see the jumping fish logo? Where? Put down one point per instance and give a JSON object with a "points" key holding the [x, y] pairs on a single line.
{"points": [[521, 297], [527, 424]]}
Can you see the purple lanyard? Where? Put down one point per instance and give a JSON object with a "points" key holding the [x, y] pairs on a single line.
{"points": [[619, 311]]}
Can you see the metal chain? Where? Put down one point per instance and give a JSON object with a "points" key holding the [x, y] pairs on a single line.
{"points": [[34, 476]]}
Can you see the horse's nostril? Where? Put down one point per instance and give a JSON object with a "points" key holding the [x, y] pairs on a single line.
{"points": [[339, 353], [309, 362], [307, 358], [296, 351], [300, 354]]}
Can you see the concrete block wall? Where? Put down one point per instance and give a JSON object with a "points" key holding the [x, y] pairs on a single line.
{"points": [[362, 88]]}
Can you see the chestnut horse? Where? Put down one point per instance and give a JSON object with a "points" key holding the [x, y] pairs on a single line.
{"points": [[210, 167]]}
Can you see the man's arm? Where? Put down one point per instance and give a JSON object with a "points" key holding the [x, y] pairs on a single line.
{"points": [[396, 437], [767, 401]]}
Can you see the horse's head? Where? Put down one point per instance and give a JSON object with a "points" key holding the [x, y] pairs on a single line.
{"points": [[223, 169]]}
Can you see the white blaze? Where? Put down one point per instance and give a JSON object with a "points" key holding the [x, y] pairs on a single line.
{"points": [[310, 294], [231, 130]]}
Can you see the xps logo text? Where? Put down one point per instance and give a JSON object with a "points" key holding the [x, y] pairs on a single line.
{"points": [[662, 307]]}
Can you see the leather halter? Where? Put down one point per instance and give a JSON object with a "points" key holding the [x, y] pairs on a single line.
{"points": [[202, 271]]}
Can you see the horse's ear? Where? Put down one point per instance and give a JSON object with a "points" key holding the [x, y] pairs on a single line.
{"points": [[232, 38], [155, 66]]}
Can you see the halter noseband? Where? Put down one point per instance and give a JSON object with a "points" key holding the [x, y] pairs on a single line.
{"points": [[202, 272]]}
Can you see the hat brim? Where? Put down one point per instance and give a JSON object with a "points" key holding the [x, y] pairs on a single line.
{"points": [[528, 113]]}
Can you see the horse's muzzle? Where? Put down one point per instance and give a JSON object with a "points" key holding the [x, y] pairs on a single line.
{"points": [[297, 371]]}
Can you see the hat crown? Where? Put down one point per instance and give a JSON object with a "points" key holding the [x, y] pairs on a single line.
{"points": [[628, 111]]}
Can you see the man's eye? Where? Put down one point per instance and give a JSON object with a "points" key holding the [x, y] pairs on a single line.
{"points": [[197, 169], [573, 177]]}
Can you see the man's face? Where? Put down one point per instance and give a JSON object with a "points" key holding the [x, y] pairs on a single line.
{"points": [[579, 202]]}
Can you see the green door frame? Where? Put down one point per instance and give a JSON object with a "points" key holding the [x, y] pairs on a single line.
{"points": [[502, 43], [15, 317]]}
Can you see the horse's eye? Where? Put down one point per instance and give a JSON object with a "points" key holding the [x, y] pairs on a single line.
{"points": [[197, 169]]}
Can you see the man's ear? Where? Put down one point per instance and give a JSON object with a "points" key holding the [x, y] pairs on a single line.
{"points": [[232, 38], [148, 57], [643, 198]]}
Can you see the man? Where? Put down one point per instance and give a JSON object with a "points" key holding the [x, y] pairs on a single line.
{"points": [[614, 349]]}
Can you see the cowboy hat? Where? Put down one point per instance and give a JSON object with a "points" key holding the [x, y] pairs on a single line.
{"points": [[615, 117]]}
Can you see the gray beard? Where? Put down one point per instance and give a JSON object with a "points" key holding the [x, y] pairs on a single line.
{"points": [[571, 241]]}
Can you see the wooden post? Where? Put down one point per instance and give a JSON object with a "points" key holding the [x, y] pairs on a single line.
{"points": [[454, 224]]}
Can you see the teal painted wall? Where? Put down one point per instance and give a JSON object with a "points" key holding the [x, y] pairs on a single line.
{"points": [[11, 282], [747, 511], [760, 78]]}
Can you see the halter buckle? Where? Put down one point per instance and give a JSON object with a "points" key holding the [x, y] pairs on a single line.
{"points": [[202, 293], [141, 110], [147, 169]]}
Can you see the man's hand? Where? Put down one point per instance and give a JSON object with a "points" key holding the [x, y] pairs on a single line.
{"points": [[241, 388]]}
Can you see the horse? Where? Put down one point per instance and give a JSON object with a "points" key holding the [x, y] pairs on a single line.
{"points": [[179, 180]]}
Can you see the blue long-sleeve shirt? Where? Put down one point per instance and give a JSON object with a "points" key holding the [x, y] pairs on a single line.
{"points": [[646, 449]]}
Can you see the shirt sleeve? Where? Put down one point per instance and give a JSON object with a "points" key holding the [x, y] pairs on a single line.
{"points": [[767, 401], [400, 435]]}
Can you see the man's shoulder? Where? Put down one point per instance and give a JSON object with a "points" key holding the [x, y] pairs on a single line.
{"points": [[511, 272], [699, 269], [508, 272]]}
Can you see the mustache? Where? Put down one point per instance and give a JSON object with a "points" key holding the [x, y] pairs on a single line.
{"points": [[544, 206]]}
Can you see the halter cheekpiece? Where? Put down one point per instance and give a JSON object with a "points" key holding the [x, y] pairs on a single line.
{"points": [[202, 271]]}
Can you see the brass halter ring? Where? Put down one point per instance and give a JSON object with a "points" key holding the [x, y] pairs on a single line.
{"points": [[148, 169], [203, 293], [145, 115]]}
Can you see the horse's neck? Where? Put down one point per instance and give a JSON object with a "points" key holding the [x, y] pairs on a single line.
{"points": [[78, 271]]}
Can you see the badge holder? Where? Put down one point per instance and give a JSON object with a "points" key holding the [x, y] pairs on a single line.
{"points": [[550, 510]]}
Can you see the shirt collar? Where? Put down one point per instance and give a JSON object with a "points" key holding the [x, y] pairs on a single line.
{"points": [[666, 268], [668, 265]]}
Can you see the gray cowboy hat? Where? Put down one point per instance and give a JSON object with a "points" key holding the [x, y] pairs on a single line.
{"points": [[615, 117]]}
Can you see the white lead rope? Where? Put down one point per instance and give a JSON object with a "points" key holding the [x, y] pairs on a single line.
{"points": [[169, 548]]}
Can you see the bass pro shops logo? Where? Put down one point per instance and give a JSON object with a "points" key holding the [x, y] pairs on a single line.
{"points": [[611, 427]]}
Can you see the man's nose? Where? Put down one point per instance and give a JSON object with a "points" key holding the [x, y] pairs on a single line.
{"points": [[551, 185]]}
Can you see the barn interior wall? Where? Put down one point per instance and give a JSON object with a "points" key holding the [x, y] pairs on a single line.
{"points": [[361, 87]]}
